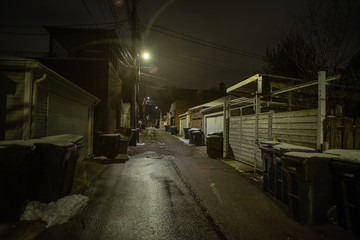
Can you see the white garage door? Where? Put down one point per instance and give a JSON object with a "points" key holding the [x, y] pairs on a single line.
{"points": [[183, 124], [214, 124], [68, 117]]}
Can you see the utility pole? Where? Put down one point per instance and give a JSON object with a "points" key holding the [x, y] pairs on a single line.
{"points": [[135, 74]]}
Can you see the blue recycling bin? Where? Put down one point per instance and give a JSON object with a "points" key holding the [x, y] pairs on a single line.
{"points": [[274, 177]]}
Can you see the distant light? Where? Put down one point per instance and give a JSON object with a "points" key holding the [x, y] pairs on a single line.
{"points": [[148, 98], [146, 55], [119, 3], [156, 107]]}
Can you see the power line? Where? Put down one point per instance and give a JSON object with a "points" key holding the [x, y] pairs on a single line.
{"points": [[92, 17], [202, 42], [210, 59], [25, 34], [66, 25], [186, 60]]}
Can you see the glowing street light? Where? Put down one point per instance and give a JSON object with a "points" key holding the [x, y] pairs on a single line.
{"points": [[146, 56]]}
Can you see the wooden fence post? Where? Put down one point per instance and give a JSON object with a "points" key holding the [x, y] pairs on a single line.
{"points": [[321, 109], [270, 121], [357, 134], [226, 115], [348, 140]]}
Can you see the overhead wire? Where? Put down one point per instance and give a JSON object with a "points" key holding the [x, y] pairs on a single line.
{"points": [[88, 10], [192, 57], [184, 60], [123, 50], [199, 41], [202, 40], [25, 34], [63, 25]]}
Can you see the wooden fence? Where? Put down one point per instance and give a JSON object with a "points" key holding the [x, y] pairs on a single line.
{"points": [[342, 132], [245, 133]]}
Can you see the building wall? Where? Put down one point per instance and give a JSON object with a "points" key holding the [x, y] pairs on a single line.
{"points": [[181, 107], [12, 104], [125, 117], [59, 109], [196, 118], [98, 77], [114, 100], [40, 103]]}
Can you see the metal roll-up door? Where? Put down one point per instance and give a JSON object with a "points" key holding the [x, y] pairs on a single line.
{"points": [[214, 124], [183, 124], [65, 117]]}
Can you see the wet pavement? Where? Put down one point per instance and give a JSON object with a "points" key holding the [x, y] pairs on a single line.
{"points": [[171, 190]]}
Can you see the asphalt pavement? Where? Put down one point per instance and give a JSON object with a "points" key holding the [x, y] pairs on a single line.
{"points": [[168, 189]]}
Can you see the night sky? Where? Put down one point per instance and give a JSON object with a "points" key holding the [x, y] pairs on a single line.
{"points": [[185, 38]]}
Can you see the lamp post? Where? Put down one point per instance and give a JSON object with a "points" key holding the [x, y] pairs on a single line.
{"points": [[143, 56], [160, 116]]}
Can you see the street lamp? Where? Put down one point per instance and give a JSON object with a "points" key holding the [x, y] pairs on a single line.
{"points": [[146, 55], [143, 56]]}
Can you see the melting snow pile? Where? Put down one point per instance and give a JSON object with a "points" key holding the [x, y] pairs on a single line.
{"points": [[185, 141], [54, 213]]}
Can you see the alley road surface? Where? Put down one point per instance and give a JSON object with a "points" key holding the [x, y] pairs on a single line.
{"points": [[171, 190]]}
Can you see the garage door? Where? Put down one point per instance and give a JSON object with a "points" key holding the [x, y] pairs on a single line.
{"points": [[68, 117], [183, 123], [214, 124]]}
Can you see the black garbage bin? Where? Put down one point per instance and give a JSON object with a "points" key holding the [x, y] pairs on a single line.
{"points": [[173, 130], [56, 159], [123, 144], [216, 134], [15, 166], [309, 186], [134, 138], [107, 145], [138, 134], [346, 172], [197, 137], [167, 128], [191, 136], [274, 177], [186, 133], [214, 145]]}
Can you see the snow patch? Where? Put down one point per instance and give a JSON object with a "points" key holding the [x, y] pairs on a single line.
{"points": [[346, 154], [185, 141], [308, 155], [55, 213], [140, 144], [285, 146], [334, 154]]}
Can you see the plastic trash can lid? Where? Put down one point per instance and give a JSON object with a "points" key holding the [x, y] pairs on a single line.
{"points": [[346, 155], [286, 147], [213, 136], [310, 155], [25, 143], [110, 134], [64, 140]]}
